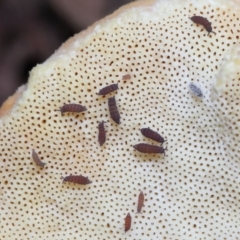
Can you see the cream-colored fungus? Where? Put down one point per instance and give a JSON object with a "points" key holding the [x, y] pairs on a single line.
{"points": [[191, 193]]}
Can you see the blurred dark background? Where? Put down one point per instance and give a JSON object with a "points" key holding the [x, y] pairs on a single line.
{"points": [[31, 30]]}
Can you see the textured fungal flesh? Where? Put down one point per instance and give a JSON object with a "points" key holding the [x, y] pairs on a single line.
{"points": [[191, 193]]}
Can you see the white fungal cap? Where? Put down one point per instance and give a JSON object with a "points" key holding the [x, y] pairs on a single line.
{"points": [[191, 193]]}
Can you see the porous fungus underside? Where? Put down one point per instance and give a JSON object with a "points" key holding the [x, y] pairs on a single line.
{"points": [[192, 192]]}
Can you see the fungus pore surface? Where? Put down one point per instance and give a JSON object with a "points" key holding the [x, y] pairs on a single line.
{"points": [[191, 193]]}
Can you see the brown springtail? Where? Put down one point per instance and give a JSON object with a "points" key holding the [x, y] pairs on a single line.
{"points": [[204, 22], [140, 202], [126, 77], [108, 89], [113, 110], [101, 133], [128, 220], [149, 133], [72, 107], [36, 159], [148, 148], [77, 179]]}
